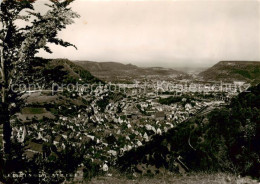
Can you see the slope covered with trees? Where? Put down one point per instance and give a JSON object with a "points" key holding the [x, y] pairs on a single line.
{"points": [[230, 71], [48, 71]]}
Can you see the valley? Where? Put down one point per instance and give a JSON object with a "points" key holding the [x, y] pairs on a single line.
{"points": [[105, 123]]}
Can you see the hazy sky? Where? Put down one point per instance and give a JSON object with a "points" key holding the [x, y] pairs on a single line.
{"points": [[163, 33]]}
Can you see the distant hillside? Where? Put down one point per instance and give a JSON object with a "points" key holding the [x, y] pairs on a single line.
{"points": [[113, 71], [59, 71], [105, 66], [248, 71]]}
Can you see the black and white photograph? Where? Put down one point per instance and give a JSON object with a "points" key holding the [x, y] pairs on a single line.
{"points": [[130, 91]]}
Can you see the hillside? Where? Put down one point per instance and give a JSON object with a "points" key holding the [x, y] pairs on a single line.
{"points": [[59, 71], [248, 71], [40, 102], [113, 71]]}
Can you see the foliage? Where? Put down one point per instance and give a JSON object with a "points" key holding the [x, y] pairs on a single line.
{"points": [[170, 100], [176, 99], [103, 103]]}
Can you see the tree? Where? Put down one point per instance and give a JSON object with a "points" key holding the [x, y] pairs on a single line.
{"points": [[18, 46]]}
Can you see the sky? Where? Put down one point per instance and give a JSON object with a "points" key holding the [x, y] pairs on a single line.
{"points": [[169, 33]]}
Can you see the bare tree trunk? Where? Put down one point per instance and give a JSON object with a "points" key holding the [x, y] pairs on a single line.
{"points": [[5, 111]]}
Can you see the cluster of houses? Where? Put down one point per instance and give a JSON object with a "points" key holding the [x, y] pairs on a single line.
{"points": [[102, 136]]}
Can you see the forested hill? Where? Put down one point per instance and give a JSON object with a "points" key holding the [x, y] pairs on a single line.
{"points": [[59, 71], [227, 139], [248, 71]]}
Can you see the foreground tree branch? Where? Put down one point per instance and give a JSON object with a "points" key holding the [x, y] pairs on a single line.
{"points": [[18, 46]]}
